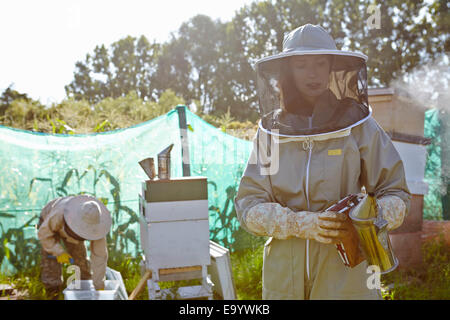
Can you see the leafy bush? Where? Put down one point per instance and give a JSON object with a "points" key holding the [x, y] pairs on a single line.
{"points": [[73, 116], [247, 273], [429, 282]]}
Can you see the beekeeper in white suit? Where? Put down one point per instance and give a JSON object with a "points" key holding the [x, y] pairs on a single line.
{"points": [[64, 224], [317, 123]]}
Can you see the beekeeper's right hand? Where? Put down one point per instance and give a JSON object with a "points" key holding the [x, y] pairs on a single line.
{"points": [[63, 258], [333, 227], [273, 220]]}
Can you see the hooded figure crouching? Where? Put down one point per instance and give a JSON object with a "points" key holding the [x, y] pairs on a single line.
{"points": [[73, 220]]}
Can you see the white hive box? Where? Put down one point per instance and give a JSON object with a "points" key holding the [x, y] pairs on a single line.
{"points": [[414, 157], [114, 275], [174, 223], [86, 291]]}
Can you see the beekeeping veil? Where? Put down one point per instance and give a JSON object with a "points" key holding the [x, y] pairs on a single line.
{"points": [[342, 105]]}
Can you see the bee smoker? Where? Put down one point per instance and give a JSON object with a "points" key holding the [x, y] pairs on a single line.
{"points": [[148, 165], [164, 163], [367, 218]]}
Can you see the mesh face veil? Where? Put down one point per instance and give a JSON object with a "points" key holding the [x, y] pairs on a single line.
{"points": [[340, 97]]}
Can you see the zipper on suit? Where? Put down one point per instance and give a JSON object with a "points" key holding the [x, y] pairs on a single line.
{"points": [[307, 145]]}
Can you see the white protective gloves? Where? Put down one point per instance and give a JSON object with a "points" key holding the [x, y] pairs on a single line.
{"points": [[394, 210], [273, 220]]}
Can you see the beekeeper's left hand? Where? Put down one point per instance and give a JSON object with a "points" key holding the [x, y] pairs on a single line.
{"points": [[394, 210]]}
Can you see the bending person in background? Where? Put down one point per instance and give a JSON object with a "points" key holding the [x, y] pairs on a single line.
{"points": [[72, 220]]}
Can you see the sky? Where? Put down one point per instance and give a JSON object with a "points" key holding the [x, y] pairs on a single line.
{"points": [[42, 40]]}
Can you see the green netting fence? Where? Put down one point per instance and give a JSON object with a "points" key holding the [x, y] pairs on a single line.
{"points": [[38, 167], [434, 173]]}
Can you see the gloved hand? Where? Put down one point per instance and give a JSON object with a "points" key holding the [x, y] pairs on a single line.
{"points": [[273, 220], [394, 210], [100, 287], [332, 227], [64, 258]]}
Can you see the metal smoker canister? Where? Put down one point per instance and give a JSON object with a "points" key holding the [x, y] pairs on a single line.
{"points": [[164, 163], [148, 165], [367, 217]]}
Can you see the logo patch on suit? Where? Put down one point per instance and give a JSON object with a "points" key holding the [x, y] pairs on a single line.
{"points": [[334, 152]]}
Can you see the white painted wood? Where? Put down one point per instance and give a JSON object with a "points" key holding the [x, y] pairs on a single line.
{"points": [[87, 291], [143, 228], [221, 271], [177, 244], [417, 187], [112, 274], [176, 210], [414, 157]]}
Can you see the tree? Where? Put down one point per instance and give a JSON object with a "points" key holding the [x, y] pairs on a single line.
{"points": [[8, 96], [211, 62], [192, 63], [130, 64], [256, 31], [173, 70]]}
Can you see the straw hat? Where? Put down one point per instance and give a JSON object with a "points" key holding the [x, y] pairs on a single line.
{"points": [[306, 40], [87, 217]]}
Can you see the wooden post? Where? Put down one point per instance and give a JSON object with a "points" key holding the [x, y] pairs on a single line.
{"points": [[140, 285], [184, 140]]}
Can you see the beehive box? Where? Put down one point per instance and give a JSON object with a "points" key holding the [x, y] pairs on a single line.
{"points": [[174, 222], [86, 291], [403, 120], [396, 113]]}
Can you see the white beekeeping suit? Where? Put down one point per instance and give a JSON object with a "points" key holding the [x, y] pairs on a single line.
{"points": [[314, 106]]}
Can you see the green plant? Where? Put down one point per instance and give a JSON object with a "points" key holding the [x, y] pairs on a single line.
{"points": [[225, 120], [102, 127], [247, 272], [125, 220], [21, 252], [225, 223], [429, 282]]}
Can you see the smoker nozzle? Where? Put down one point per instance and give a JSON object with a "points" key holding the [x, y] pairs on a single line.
{"points": [[148, 165]]}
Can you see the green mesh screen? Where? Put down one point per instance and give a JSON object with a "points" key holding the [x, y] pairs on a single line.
{"points": [[432, 201], [38, 167]]}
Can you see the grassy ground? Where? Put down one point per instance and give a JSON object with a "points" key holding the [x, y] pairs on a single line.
{"points": [[429, 282]]}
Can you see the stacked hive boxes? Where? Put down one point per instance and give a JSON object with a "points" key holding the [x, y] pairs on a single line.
{"points": [[174, 224], [403, 120]]}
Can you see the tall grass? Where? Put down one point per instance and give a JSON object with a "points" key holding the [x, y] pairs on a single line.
{"points": [[79, 117], [247, 273]]}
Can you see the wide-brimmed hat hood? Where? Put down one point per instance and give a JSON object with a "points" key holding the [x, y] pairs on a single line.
{"points": [[345, 98], [87, 217]]}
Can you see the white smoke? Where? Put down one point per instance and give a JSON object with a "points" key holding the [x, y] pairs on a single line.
{"points": [[428, 84]]}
